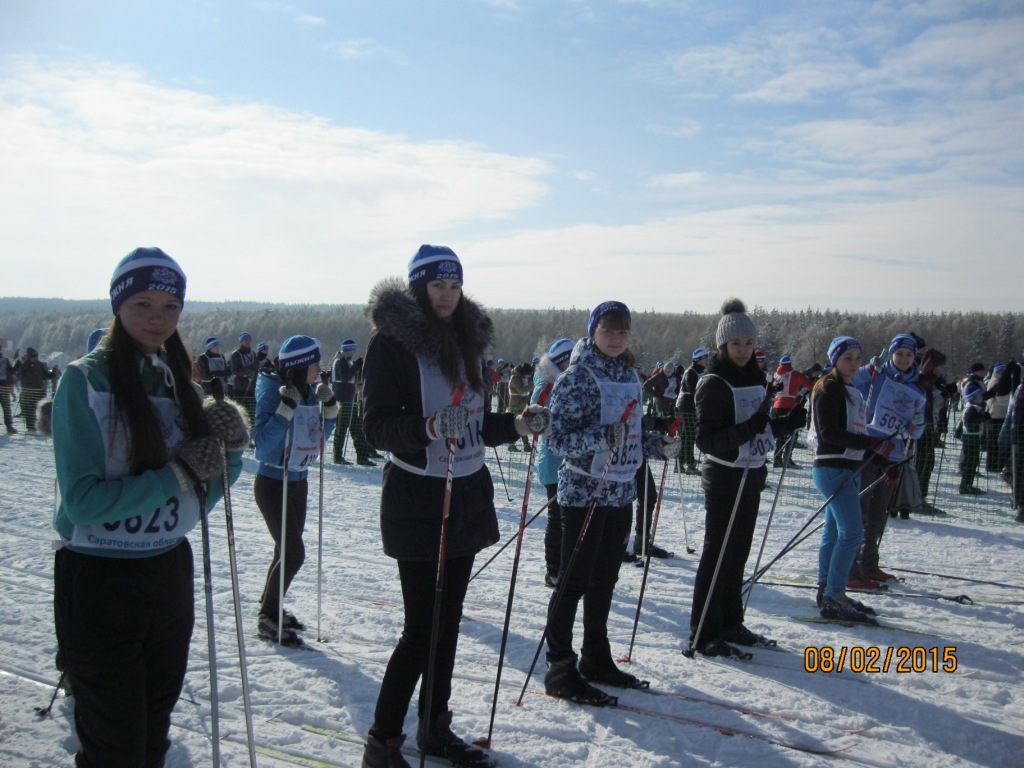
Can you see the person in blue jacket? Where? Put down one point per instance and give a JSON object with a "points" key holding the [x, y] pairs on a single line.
{"points": [[137, 453], [295, 416], [895, 406]]}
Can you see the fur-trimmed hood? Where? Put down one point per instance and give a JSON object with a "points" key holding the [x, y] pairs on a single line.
{"points": [[393, 311]]}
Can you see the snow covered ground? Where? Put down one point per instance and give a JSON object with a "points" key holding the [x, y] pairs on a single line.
{"points": [[707, 713]]}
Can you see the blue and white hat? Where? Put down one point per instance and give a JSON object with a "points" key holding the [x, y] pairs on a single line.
{"points": [[973, 391], [561, 351], [261, 346], [785, 360], [348, 345], [146, 269], [298, 352], [998, 368], [211, 342], [700, 353], [434, 262], [903, 341], [94, 339], [243, 336], [603, 309], [839, 345]]}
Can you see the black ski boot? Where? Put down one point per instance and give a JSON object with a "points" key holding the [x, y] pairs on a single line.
{"points": [[266, 628], [384, 754], [819, 596], [439, 741], [720, 648], [740, 635], [839, 608], [563, 681], [606, 671]]}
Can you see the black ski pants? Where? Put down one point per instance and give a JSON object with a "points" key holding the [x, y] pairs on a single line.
{"points": [[725, 603], [409, 660], [874, 512], [267, 491], [592, 579], [124, 627], [553, 532]]}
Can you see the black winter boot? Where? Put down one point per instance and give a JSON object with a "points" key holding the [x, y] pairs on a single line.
{"points": [[439, 741], [384, 754]]}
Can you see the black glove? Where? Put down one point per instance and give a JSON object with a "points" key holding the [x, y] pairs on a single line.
{"points": [[227, 422], [290, 397], [616, 434], [198, 459], [791, 422], [758, 422]]}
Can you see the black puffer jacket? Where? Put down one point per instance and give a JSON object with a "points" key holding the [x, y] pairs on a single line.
{"points": [[393, 420], [718, 434]]}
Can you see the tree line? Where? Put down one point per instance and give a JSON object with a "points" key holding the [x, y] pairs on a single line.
{"points": [[59, 328]]}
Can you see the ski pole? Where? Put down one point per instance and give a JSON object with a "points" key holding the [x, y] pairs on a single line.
{"points": [[502, 473], [284, 533], [229, 522], [211, 640], [44, 711], [428, 683], [647, 555], [564, 576], [320, 521], [541, 400], [682, 510], [800, 536], [510, 540], [787, 455]]}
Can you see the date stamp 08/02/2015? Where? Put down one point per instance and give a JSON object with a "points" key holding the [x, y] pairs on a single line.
{"points": [[871, 658]]}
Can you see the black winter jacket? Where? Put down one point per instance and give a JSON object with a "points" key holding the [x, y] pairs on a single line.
{"points": [[393, 420], [718, 434]]}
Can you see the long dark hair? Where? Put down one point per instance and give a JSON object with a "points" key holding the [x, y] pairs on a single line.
{"points": [[822, 382], [146, 446], [457, 341]]}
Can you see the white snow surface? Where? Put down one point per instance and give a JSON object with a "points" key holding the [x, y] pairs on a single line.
{"points": [[973, 716]]}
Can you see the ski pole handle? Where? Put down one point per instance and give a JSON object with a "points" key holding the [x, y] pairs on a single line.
{"points": [[673, 430]]}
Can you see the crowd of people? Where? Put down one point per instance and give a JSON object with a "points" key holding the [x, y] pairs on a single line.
{"points": [[143, 433]]}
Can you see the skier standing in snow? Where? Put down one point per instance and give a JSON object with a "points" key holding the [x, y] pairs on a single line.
{"points": [[552, 364], [894, 404], [429, 339], [687, 409], [735, 434], [596, 483], [133, 444], [288, 418], [840, 434]]}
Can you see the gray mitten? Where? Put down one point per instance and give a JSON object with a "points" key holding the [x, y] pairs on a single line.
{"points": [[536, 419], [290, 397], [201, 458], [616, 434], [449, 422], [669, 447], [228, 422]]}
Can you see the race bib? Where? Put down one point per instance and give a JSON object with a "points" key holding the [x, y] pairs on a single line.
{"points": [[622, 463]]}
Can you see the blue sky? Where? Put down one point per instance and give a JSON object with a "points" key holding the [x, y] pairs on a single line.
{"points": [[857, 155]]}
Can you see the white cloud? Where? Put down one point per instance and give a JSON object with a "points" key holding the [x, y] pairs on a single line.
{"points": [[103, 154], [357, 49], [311, 21]]}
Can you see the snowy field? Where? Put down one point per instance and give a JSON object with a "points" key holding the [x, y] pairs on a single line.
{"points": [[761, 713]]}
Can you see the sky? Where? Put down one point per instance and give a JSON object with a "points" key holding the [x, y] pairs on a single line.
{"points": [[666, 153]]}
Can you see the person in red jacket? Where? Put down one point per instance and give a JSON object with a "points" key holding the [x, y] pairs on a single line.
{"points": [[789, 384]]}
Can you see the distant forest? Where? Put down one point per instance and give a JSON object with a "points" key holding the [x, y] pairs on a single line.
{"points": [[58, 328]]}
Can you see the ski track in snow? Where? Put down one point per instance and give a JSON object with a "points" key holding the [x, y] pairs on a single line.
{"points": [[973, 717]]}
